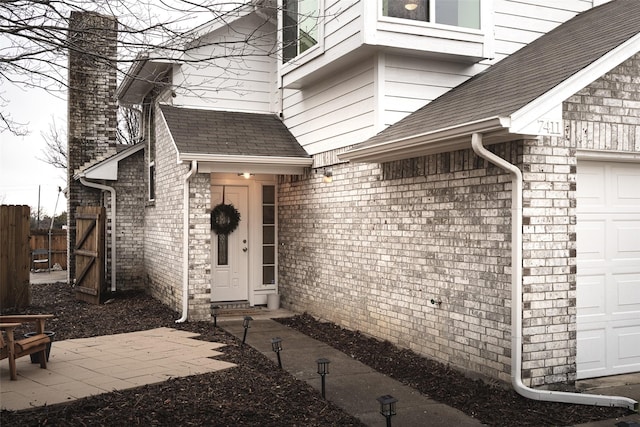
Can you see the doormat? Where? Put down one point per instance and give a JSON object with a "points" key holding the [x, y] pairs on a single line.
{"points": [[248, 311]]}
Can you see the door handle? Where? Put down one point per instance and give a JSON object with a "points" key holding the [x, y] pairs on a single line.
{"points": [[245, 249]]}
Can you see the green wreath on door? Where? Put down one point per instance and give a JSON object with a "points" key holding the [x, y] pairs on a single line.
{"points": [[224, 219]]}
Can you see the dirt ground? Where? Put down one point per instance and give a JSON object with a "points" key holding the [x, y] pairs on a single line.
{"points": [[256, 393]]}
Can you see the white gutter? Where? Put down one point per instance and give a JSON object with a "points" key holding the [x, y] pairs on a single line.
{"points": [[516, 298], [258, 160], [185, 242], [442, 140], [113, 224]]}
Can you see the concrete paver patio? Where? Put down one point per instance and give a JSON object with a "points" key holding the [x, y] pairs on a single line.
{"points": [[88, 366]]}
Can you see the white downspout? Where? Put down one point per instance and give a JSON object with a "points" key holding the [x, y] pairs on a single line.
{"points": [[185, 242], [516, 298], [113, 225]]}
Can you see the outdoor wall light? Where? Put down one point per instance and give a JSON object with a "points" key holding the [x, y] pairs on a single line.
{"points": [[327, 176], [387, 407], [245, 175], [276, 345], [411, 5], [323, 369], [215, 310], [245, 325]]}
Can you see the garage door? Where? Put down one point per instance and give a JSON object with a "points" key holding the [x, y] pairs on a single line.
{"points": [[608, 275]]}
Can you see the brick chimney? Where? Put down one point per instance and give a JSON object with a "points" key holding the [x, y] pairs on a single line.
{"points": [[92, 107]]}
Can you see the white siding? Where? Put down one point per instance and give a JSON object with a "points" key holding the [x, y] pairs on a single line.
{"points": [[341, 33], [517, 23], [240, 77], [348, 103], [334, 113], [411, 82]]}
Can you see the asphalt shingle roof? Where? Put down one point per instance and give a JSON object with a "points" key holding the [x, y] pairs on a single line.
{"points": [[525, 75], [231, 133]]}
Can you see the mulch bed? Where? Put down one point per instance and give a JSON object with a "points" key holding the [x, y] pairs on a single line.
{"points": [[256, 392], [492, 404]]}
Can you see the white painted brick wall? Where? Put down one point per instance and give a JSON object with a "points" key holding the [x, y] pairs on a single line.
{"points": [[131, 192], [369, 253], [163, 224], [163, 239]]}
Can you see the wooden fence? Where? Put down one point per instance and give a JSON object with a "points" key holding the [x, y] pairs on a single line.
{"points": [[40, 242], [15, 257]]}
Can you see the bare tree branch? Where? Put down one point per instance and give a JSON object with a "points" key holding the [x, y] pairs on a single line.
{"points": [[55, 151], [34, 40]]}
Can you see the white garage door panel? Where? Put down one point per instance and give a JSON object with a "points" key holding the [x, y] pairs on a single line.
{"points": [[627, 344], [590, 355], [628, 234], [628, 185], [591, 191], [608, 275], [628, 294], [591, 296], [591, 233]]}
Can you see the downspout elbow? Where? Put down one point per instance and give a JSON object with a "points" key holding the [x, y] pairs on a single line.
{"points": [[185, 242], [516, 298]]}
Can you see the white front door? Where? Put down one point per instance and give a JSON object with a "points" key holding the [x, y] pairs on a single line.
{"points": [[608, 268], [230, 259]]}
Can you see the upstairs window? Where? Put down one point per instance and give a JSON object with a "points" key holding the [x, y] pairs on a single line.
{"points": [[149, 128], [459, 13], [299, 27]]}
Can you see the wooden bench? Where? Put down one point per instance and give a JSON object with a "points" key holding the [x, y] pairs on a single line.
{"points": [[11, 349]]}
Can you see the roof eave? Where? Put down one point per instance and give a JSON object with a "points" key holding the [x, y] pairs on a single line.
{"points": [[433, 142], [530, 112], [108, 168], [141, 79]]}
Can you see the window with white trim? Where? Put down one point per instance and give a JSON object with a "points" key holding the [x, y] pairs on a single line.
{"points": [[149, 127], [459, 13], [268, 234], [300, 29]]}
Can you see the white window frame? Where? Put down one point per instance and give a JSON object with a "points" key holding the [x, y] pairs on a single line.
{"points": [[306, 56], [432, 18]]}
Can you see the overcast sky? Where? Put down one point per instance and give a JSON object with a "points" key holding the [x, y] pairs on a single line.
{"points": [[21, 173]]}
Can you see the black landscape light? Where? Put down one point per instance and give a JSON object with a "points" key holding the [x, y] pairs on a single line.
{"points": [[323, 369], [387, 407], [276, 345], [215, 310], [245, 325]]}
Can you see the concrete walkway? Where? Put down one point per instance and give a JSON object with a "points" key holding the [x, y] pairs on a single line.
{"points": [[350, 384]]}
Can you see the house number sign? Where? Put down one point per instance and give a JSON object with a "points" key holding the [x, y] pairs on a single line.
{"points": [[549, 127]]}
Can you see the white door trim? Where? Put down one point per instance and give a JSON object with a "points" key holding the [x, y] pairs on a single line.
{"points": [[257, 290]]}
